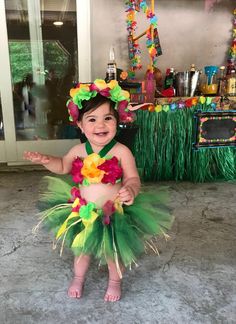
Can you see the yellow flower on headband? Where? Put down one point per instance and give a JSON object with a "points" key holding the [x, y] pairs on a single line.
{"points": [[112, 84], [74, 91], [90, 170], [101, 84], [125, 94]]}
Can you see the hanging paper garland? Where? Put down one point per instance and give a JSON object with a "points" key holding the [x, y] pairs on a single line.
{"points": [[152, 41], [149, 33], [170, 105], [134, 48], [232, 50]]}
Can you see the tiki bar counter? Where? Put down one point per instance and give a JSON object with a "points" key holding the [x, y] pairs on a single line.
{"points": [[186, 121], [187, 139]]}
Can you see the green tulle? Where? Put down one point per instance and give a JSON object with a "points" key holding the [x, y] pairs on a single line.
{"points": [[123, 240]]}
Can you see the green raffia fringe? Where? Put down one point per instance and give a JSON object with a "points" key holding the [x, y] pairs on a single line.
{"points": [[164, 149]]}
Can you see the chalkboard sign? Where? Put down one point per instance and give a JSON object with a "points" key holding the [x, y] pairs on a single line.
{"points": [[215, 129]]}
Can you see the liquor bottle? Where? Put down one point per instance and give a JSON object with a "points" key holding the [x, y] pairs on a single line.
{"points": [[170, 78], [231, 83], [222, 82], [192, 70], [111, 73]]}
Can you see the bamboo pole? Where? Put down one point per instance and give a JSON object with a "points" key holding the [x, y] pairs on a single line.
{"points": [[152, 30], [141, 35]]}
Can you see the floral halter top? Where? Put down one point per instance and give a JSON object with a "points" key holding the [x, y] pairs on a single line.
{"points": [[96, 167]]}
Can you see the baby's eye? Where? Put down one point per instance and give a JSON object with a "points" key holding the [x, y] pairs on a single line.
{"points": [[109, 118], [91, 120]]}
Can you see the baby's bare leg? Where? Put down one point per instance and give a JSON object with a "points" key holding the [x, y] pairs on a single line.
{"points": [[81, 265], [113, 292]]}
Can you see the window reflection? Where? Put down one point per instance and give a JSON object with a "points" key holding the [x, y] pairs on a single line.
{"points": [[43, 65]]}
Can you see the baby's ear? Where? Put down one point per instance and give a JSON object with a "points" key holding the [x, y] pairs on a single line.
{"points": [[80, 125]]}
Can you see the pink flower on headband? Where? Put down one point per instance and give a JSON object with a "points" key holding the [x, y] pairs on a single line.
{"points": [[73, 111], [125, 115], [105, 92]]}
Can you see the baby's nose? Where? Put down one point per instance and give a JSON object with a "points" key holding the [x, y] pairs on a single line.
{"points": [[100, 123]]}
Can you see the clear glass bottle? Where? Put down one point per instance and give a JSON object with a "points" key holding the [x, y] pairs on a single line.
{"points": [[111, 73], [231, 83], [222, 82]]}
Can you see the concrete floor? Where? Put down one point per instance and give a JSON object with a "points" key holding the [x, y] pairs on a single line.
{"points": [[193, 280]]}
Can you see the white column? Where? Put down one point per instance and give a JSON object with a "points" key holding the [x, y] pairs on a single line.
{"points": [[83, 8], [6, 90]]}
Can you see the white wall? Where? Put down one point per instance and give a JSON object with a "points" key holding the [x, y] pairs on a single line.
{"points": [[187, 33]]}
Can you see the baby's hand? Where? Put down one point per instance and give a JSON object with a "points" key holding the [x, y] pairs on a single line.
{"points": [[36, 157], [126, 195]]}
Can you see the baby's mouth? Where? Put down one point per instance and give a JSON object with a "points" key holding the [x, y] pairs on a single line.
{"points": [[101, 133]]}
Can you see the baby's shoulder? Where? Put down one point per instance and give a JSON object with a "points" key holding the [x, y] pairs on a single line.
{"points": [[77, 150], [120, 150]]}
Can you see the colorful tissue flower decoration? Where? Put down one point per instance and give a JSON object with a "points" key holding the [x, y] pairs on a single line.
{"points": [[94, 169], [111, 90]]}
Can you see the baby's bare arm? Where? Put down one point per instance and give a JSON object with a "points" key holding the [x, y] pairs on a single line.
{"points": [[59, 165], [131, 181]]}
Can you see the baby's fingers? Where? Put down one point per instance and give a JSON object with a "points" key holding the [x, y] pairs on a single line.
{"points": [[36, 157], [30, 155]]}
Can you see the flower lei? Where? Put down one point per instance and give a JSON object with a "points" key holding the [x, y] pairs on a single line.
{"points": [[134, 48], [94, 169], [111, 90], [232, 50]]}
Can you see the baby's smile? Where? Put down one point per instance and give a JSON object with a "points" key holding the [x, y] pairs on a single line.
{"points": [[101, 133]]}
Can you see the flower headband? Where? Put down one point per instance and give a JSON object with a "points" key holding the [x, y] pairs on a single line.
{"points": [[111, 90]]}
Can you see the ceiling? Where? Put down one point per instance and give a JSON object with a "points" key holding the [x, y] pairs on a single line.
{"points": [[51, 10]]}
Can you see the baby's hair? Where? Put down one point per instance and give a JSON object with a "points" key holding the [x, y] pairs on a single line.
{"points": [[94, 103]]}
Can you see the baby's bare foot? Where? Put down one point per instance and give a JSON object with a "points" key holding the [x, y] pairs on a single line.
{"points": [[76, 287], [113, 292]]}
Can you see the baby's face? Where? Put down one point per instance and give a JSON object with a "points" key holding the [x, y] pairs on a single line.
{"points": [[99, 125]]}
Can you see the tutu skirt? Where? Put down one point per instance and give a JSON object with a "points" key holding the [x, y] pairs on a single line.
{"points": [[118, 233]]}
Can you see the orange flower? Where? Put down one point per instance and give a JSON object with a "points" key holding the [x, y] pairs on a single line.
{"points": [[90, 170], [74, 91], [124, 75]]}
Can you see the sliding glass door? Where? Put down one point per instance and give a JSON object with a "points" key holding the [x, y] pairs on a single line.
{"points": [[41, 56]]}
